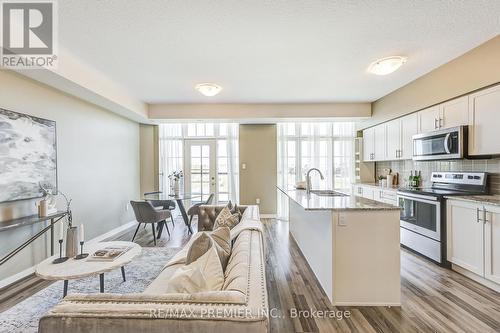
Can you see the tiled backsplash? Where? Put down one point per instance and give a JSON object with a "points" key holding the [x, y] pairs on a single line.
{"points": [[492, 166]]}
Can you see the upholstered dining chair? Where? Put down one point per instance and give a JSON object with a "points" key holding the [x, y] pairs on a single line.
{"points": [[146, 213], [164, 204], [195, 209]]}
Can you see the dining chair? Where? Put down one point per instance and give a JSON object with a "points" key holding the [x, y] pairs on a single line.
{"points": [[195, 209], [146, 213], [164, 204]]}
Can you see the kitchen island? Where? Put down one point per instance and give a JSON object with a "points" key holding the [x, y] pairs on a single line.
{"points": [[351, 244]]}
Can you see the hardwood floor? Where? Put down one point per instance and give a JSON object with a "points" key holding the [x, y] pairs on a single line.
{"points": [[434, 299]]}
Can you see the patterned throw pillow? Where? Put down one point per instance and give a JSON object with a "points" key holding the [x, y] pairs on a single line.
{"points": [[224, 214], [226, 219]]}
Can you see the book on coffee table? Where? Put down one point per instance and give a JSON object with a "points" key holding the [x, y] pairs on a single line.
{"points": [[109, 253]]}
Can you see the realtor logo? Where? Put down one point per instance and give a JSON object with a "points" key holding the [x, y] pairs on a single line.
{"points": [[28, 34]]}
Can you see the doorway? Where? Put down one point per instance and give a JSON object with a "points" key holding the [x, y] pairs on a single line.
{"points": [[200, 168]]}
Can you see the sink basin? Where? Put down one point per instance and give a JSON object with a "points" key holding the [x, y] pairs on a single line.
{"points": [[328, 193]]}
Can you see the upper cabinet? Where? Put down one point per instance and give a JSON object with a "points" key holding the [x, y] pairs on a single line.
{"points": [[380, 142], [393, 134], [484, 118], [374, 143], [368, 145], [449, 114], [428, 119], [409, 127], [455, 112], [481, 111]]}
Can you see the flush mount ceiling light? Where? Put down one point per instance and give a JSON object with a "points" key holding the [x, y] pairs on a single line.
{"points": [[387, 65], [208, 89]]}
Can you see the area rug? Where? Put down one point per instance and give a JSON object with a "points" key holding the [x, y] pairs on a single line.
{"points": [[24, 316]]}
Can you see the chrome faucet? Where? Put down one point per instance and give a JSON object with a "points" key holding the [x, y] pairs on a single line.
{"points": [[308, 179]]}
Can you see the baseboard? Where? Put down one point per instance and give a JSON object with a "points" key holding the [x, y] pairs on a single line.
{"points": [[268, 216], [31, 270], [479, 279]]}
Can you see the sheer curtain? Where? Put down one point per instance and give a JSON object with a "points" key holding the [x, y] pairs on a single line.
{"points": [[328, 146], [226, 135]]}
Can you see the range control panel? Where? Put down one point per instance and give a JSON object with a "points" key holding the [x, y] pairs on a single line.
{"points": [[468, 178]]}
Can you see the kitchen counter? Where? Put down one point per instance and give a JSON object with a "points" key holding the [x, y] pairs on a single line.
{"points": [[347, 202], [376, 185], [351, 244], [483, 199]]}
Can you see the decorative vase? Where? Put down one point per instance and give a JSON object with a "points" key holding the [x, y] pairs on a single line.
{"points": [[71, 241], [177, 187]]}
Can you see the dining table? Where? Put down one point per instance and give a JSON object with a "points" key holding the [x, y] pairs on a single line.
{"points": [[179, 199]]}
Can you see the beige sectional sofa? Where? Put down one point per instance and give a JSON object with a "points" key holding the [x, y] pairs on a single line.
{"points": [[241, 306]]}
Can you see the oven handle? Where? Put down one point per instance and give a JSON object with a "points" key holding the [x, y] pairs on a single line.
{"points": [[447, 143], [421, 198]]}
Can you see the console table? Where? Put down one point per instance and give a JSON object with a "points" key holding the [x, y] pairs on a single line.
{"points": [[30, 220]]}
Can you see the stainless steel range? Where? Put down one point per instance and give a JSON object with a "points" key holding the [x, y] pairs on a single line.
{"points": [[423, 214]]}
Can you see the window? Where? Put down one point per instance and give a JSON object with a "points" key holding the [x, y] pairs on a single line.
{"points": [[327, 146]]}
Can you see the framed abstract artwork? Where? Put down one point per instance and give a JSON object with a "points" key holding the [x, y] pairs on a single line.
{"points": [[28, 156]]}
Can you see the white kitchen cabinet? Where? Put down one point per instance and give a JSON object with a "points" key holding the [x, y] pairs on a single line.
{"points": [[484, 117], [409, 127], [369, 145], [393, 138], [449, 114], [465, 241], [428, 119], [492, 243], [380, 142], [368, 192], [454, 113]]}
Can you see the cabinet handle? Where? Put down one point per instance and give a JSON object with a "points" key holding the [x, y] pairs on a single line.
{"points": [[435, 123], [440, 122], [484, 215], [477, 216]]}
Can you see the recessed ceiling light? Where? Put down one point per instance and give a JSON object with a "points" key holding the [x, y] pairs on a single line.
{"points": [[208, 89], [387, 65]]}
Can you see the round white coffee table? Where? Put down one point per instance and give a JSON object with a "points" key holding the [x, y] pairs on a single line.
{"points": [[76, 269]]}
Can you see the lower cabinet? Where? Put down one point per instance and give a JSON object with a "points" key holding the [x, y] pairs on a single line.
{"points": [[473, 238], [372, 192]]}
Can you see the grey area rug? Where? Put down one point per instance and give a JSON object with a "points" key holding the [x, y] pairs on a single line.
{"points": [[24, 316]]}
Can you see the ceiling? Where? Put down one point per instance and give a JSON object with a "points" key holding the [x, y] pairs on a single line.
{"points": [[303, 51]]}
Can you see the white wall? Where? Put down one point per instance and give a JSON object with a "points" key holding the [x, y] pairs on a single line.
{"points": [[98, 164]]}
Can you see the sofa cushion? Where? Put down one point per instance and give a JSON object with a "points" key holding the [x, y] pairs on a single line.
{"points": [[222, 239], [236, 274], [203, 274]]}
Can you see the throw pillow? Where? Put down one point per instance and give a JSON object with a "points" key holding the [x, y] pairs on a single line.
{"points": [[203, 274], [198, 248], [222, 239], [224, 214]]}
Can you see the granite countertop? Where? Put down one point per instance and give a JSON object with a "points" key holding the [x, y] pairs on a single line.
{"points": [[390, 188], [483, 199], [347, 202]]}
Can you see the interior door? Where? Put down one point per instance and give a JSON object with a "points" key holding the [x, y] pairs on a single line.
{"points": [[200, 168]]}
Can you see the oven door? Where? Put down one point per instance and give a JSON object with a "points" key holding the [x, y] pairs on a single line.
{"points": [[443, 144], [421, 214]]}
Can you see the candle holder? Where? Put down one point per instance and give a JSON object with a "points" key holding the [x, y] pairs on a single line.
{"points": [[81, 255], [61, 258]]}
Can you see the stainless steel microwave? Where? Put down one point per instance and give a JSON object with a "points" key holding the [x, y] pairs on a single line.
{"points": [[445, 144]]}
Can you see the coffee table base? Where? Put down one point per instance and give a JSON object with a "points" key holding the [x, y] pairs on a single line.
{"points": [[101, 282]]}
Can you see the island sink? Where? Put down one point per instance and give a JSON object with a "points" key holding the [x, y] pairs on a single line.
{"points": [[328, 193]]}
